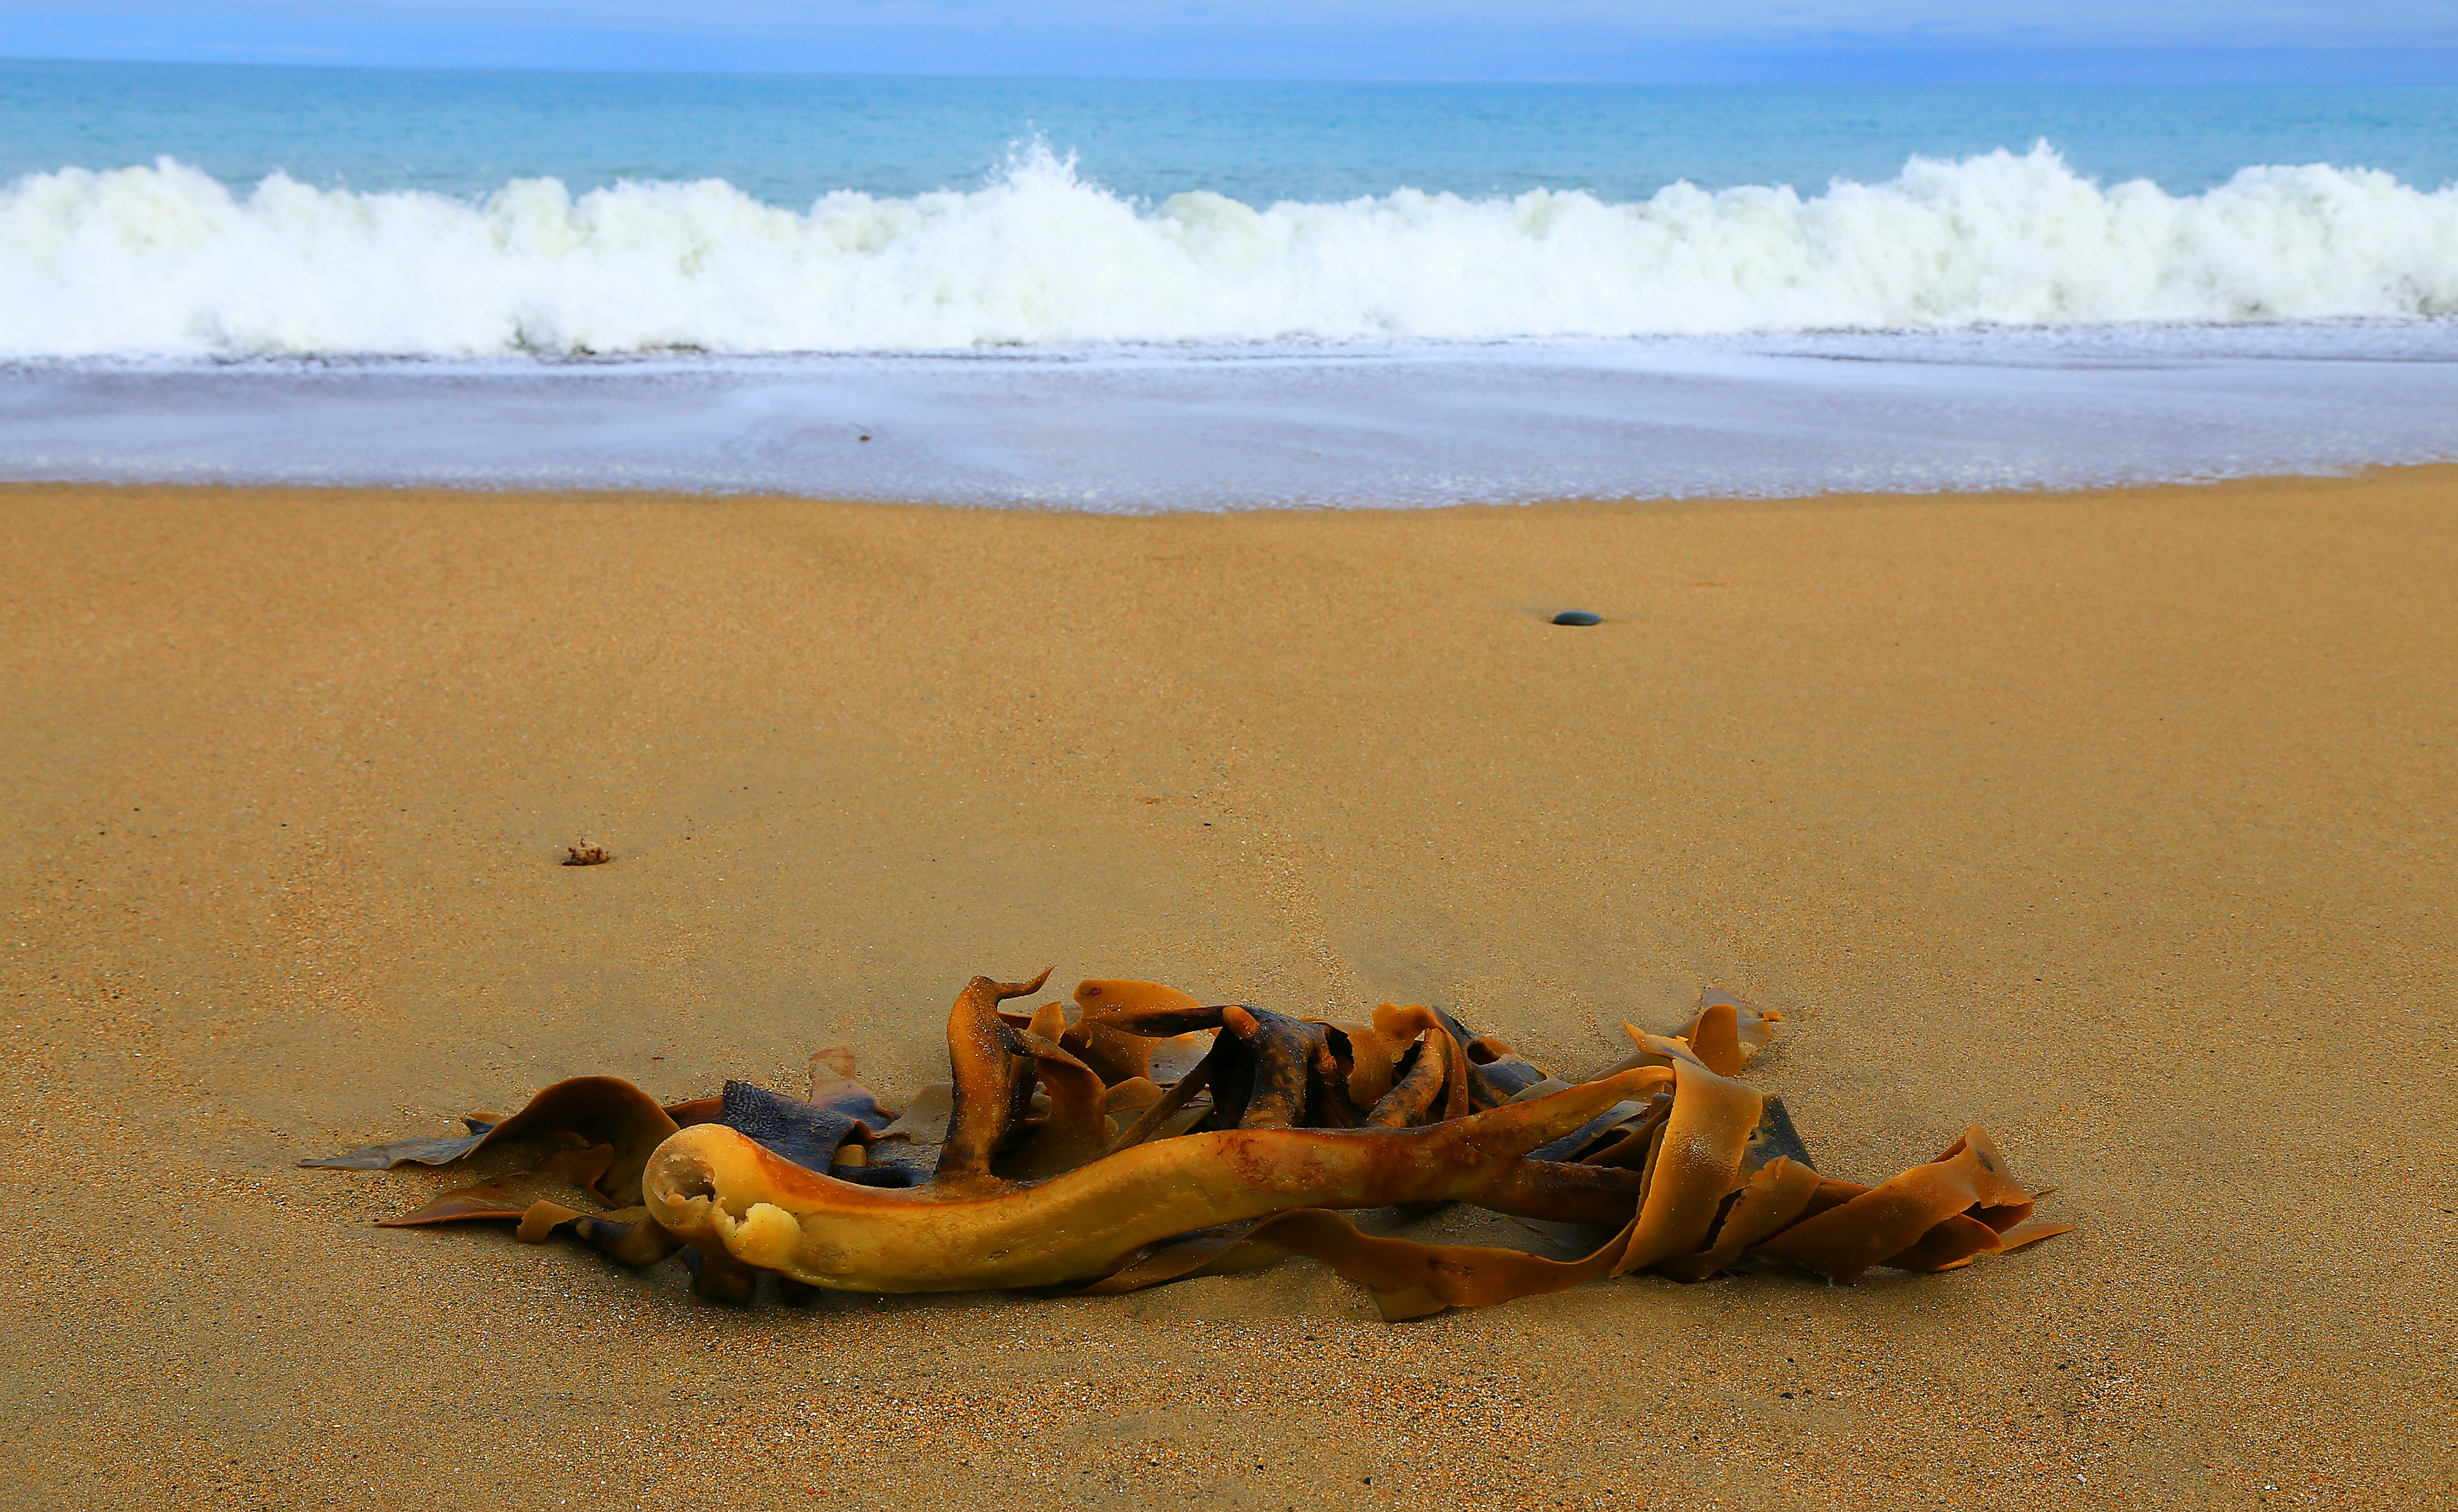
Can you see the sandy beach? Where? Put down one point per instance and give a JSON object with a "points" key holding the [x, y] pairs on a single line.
{"points": [[2120, 823]]}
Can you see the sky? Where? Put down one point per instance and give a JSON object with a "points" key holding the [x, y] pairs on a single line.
{"points": [[1976, 41]]}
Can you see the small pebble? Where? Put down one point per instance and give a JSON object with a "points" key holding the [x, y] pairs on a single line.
{"points": [[585, 854], [1578, 616]]}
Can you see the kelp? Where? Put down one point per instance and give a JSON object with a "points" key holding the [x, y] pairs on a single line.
{"points": [[1135, 1135]]}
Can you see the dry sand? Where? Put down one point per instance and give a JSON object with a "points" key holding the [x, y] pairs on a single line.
{"points": [[2118, 823]]}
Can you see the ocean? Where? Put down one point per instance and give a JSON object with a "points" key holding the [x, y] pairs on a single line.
{"points": [[1137, 294]]}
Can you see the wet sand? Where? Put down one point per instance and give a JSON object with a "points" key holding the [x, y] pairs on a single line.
{"points": [[2117, 822]]}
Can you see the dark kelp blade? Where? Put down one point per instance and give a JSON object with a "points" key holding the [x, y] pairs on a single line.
{"points": [[1417, 1093], [1176, 1258], [803, 1132], [1588, 1135], [1403, 1021], [1282, 1052], [1628, 1141], [1496, 1073], [1774, 1139]]}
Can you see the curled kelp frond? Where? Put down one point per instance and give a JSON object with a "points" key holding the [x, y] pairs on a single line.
{"points": [[1133, 1136], [602, 1109]]}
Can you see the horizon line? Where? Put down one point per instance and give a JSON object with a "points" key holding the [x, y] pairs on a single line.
{"points": [[1871, 65]]}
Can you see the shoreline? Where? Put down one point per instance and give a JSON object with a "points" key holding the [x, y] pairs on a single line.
{"points": [[2428, 475], [1179, 431], [2114, 821]]}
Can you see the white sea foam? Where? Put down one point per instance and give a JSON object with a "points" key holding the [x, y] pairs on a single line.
{"points": [[166, 259]]}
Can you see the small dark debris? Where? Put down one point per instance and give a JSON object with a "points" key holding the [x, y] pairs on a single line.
{"points": [[585, 854]]}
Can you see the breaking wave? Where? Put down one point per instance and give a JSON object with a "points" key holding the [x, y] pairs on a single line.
{"points": [[165, 260]]}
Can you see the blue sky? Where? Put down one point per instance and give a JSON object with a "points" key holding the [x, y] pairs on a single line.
{"points": [[2411, 41]]}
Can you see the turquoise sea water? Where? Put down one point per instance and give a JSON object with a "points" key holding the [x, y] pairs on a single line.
{"points": [[787, 140]]}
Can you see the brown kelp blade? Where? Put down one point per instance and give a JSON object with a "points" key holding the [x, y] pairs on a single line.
{"points": [[1560, 1192], [1421, 1091], [1411, 1279], [1727, 1034], [565, 1177], [2023, 1233], [556, 1195], [987, 1078], [1696, 1160], [1076, 1130], [602, 1109], [627, 1235], [1175, 1111], [1138, 1029], [833, 1086], [1130, 1097], [1772, 1199], [924, 1120], [1843, 1241], [1408, 1279]]}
